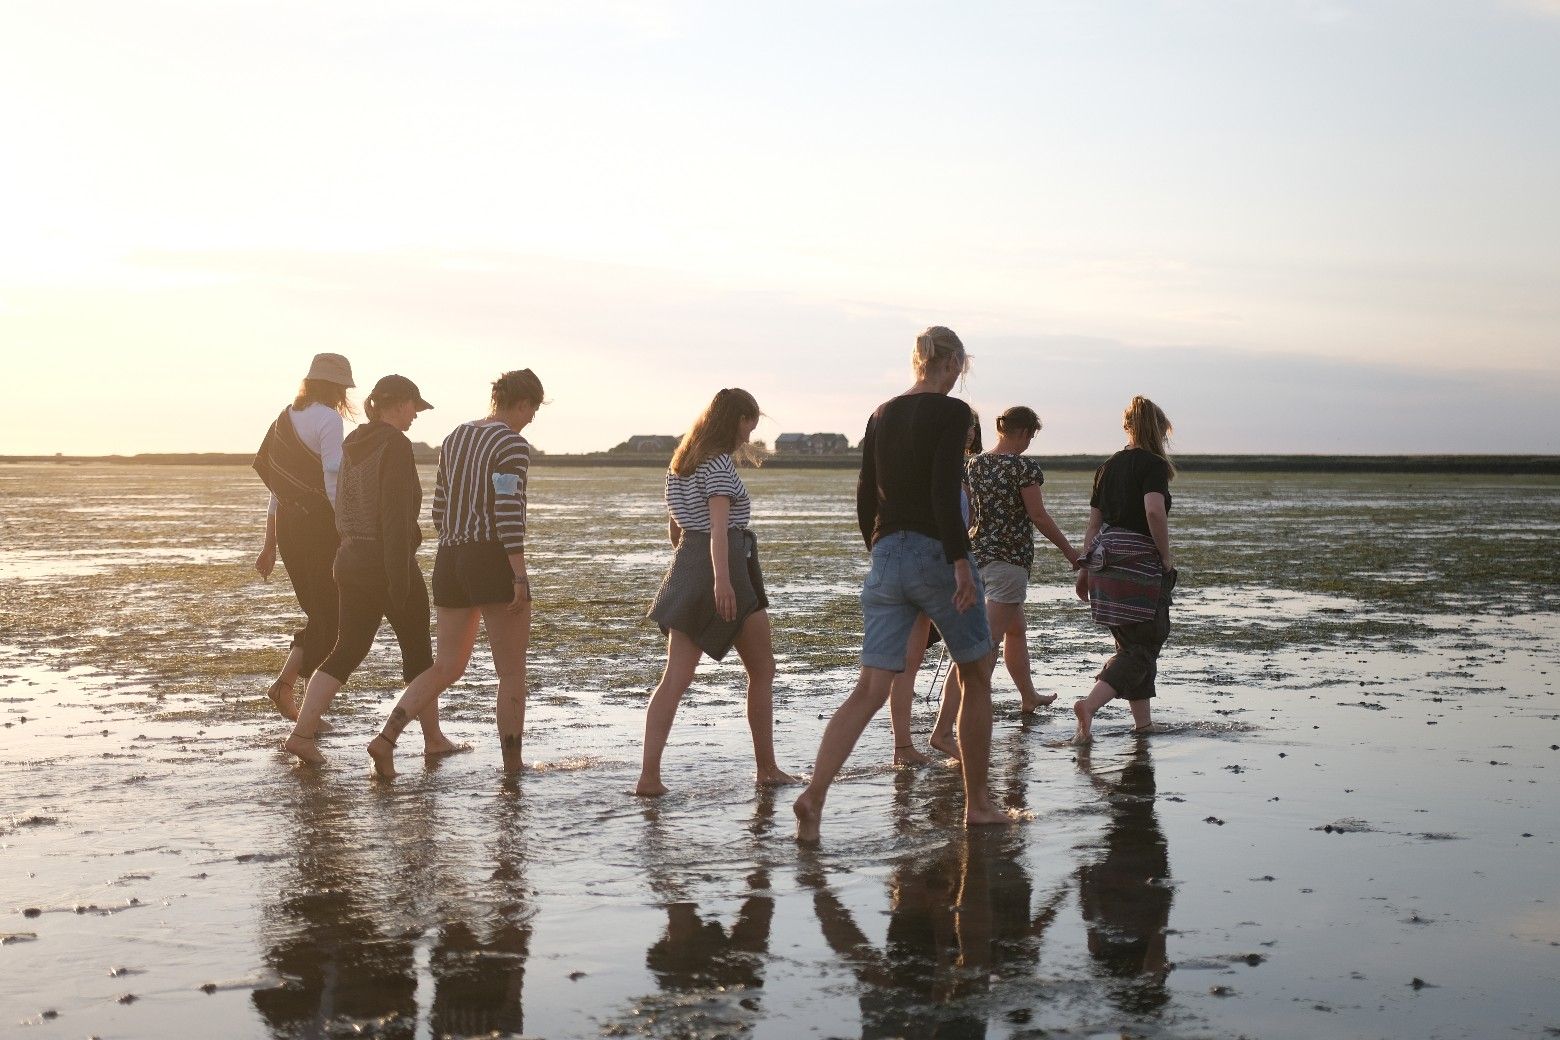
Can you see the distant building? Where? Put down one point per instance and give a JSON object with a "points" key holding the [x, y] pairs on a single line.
{"points": [[647, 444], [812, 444]]}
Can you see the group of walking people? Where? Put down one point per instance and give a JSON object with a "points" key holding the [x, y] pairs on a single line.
{"points": [[949, 528]]}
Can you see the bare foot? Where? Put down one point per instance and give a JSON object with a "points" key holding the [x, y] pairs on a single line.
{"points": [[807, 820], [985, 817], [909, 756], [946, 745], [775, 778], [281, 695], [305, 749], [382, 750], [649, 788], [443, 746], [1028, 705], [1085, 721], [1152, 727]]}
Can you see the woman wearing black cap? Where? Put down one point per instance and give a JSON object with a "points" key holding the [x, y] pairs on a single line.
{"points": [[377, 503]]}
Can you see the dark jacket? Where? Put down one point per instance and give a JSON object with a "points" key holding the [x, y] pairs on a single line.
{"points": [[378, 499]]}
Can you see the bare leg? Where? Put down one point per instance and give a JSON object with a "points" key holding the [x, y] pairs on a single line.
{"points": [[975, 742], [901, 696], [509, 635], [942, 738], [456, 631], [1142, 717], [839, 739], [1007, 621], [682, 660], [321, 691], [755, 645], [1084, 710], [281, 691], [435, 743]]}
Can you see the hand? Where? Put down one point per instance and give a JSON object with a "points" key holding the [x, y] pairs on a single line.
{"points": [[522, 600], [964, 586], [725, 600], [265, 563], [1081, 585]]}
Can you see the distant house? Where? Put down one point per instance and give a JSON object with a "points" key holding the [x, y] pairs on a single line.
{"points": [[647, 444], [812, 444]]}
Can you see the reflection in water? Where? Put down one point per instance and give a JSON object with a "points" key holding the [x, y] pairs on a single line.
{"points": [[959, 917], [1126, 895], [344, 936]]}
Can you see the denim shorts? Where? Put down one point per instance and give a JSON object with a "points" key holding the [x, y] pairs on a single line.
{"points": [[909, 577]]}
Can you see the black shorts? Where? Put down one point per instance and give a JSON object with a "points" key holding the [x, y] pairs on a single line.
{"points": [[473, 575]]}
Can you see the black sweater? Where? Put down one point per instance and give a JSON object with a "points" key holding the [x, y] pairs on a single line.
{"points": [[378, 498], [912, 464]]}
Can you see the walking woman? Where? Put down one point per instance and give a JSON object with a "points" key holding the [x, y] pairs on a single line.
{"points": [[299, 461], [378, 501], [1007, 507], [712, 598], [907, 503], [1129, 570], [479, 575]]}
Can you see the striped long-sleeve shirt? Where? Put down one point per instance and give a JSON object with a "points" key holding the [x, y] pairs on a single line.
{"points": [[480, 492]]}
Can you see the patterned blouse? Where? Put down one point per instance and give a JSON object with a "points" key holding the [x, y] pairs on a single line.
{"points": [[1000, 528]]}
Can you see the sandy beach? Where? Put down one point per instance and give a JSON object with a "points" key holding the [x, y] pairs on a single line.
{"points": [[1347, 829]]}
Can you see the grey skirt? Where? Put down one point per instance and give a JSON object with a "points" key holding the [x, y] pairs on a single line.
{"points": [[686, 599]]}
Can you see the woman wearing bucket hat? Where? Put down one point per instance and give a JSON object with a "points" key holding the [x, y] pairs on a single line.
{"points": [[299, 461], [377, 504]]}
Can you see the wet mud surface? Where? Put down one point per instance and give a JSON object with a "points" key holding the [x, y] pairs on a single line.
{"points": [[1347, 829]]}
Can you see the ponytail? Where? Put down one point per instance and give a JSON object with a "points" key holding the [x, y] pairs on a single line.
{"points": [[1148, 428]]}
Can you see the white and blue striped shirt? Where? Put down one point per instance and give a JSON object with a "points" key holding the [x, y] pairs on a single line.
{"points": [[688, 498], [480, 492]]}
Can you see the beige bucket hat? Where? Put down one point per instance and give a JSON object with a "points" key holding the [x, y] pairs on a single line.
{"points": [[332, 368]]}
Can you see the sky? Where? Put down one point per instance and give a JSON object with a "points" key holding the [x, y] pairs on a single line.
{"points": [[1298, 225]]}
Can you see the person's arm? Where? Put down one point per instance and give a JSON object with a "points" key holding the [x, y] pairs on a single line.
{"points": [[1034, 505], [1159, 526], [725, 596], [1096, 520], [947, 479], [398, 517], [265, 563], [509, 488], [330, 453], [866, 485], [673, 532]]}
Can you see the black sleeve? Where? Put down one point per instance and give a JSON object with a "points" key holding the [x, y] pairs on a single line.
{"points": [[947, 478], [1094, 495], [866, 484], [1156, 477], [398, 495]]}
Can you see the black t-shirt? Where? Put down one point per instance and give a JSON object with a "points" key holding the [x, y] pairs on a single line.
{"points": [[912, 467], [1120, 484]]}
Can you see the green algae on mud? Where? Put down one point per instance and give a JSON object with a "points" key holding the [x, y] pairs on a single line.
{"points": [[1371, 649]]}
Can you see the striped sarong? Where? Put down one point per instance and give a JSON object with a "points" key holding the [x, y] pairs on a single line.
{"points": [[291, 469], [1126, 577]]}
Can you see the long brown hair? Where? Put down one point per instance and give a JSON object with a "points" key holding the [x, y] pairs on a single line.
{"points": [[715, 433], [511, 388], [323, 391], [1148, 428]]}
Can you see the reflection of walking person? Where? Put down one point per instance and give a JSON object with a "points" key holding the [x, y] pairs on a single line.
{"points": [[1129, 571], [479, 575], [907, 503], [299, 461], [712, 598], [377, 505], [1126, 895]]}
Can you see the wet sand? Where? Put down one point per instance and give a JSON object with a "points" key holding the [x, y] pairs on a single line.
{"points": [[1347, 830]]}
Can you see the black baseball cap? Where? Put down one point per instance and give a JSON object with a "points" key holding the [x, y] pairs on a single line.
{"points": [[398, 388]]}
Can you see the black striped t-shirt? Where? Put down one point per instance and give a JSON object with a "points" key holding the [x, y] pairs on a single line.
{"points": [[688, 498], [480, 492]]}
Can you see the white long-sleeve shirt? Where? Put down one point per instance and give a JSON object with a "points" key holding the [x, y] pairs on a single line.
{"points": [[320, 428]]}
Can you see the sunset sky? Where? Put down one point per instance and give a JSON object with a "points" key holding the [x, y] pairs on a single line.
{"points": [[1299, 225]]}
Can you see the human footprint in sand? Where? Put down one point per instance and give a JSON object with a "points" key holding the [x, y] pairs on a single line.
{"points": [[907, 505], [712, 597], [479, 575], [1129, 571], [378, 500]]}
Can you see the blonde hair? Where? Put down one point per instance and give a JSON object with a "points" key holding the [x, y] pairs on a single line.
{"points": [[938, 343], [715, 433], [1148, 428]]}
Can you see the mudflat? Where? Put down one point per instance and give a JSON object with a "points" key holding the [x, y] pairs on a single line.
{"points": [[1346, 830]]}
